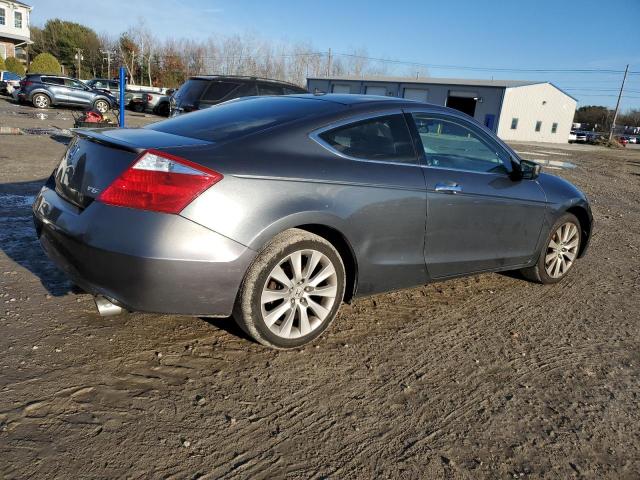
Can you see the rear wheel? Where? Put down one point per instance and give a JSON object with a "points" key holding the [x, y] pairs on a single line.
{"points": [[163, 109], [40, 100], [559, 254], [101, 105], [292, 291]]}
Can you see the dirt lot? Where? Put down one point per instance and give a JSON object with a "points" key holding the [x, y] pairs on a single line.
{"points": [[488, 376]]}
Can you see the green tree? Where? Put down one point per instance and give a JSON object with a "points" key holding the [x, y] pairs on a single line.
{"points": [[14, 65], [2, 66], [63, 40], [597, 117], [45, 63]]}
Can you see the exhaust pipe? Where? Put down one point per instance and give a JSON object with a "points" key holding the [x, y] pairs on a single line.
{"points": [[105, 307]]}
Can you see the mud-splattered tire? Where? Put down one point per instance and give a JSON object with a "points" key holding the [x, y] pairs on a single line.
{"points": [[292, 291], [40, 100], [559, 254]]}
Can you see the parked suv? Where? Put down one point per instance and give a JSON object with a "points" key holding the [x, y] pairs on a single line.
{"points": [[208, 90], [45, 90]]}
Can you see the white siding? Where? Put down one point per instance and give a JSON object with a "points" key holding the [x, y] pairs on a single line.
{"points": [[9, 11], [536, 103]]}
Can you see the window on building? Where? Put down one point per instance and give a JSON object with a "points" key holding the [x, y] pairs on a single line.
{"points": [[18, 19], [554, 128], [449, 145], [380, 138], [2, 16], [514, 123], [538, 125]]}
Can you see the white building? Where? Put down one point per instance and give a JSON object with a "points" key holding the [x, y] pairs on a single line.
{"points": [[515, 110], [15, 35]]}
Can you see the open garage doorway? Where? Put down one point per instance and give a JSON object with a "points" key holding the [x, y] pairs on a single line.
{"points": [[462, 101]]}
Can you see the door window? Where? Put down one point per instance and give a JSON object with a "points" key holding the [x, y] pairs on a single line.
{"points": [[68, 82], [380, 138], [449, 144], [264, 89]]}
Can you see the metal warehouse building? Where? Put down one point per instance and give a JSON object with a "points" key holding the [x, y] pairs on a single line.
{"points": [[515, 110]]}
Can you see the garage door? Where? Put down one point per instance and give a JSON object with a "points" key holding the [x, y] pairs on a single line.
{"points": [[341, 89], [376, 91], [419, 94]]}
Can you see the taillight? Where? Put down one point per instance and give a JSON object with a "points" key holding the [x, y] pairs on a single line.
{"points": [[149, 97], [160, 182], [25, 83]]}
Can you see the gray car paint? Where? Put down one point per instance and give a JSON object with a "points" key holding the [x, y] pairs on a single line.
{"points": [[281, 178]]}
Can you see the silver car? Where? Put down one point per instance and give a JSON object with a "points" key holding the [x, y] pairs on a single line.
{"points": [[277, 209]]}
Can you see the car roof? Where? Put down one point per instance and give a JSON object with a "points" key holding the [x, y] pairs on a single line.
{"points": [[367, 101], [245, 79]]}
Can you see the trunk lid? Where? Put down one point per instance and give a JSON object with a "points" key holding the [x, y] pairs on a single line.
{"points": [[95, 158]]}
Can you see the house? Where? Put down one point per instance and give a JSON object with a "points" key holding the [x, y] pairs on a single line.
{"points": [[15, 35], [516, 110]]}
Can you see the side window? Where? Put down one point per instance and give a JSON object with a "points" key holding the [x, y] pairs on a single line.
{"points": [[2, 16], [514, 123], [73, 83], [266, 89], [291, 91], [448, 144], [17, 19], [538, 125], [380, 138], [246, 90], [554, 128], [218, 90], [53, 80]]}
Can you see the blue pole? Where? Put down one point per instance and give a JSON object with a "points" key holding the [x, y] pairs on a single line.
{"points": [[122, 87]]}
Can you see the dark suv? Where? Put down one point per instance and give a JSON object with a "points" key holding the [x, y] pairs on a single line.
{"points": [[208, 90], [45, 90]]}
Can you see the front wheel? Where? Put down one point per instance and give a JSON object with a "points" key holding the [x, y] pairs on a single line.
{"points": [[560, 252], [292, 291]]}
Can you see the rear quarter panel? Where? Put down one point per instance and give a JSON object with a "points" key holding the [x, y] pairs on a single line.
{"points": [[283, 181]]}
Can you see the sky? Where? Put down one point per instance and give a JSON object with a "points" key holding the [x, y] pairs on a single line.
{"points": [[483, 36]]}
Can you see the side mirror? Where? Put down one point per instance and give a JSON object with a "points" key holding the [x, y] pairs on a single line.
{"points": [[525, 170]]}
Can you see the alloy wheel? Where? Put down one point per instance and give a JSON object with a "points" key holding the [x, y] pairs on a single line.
{"points": [[299, 293], [562, 250], [41, 101], [102, 106]]}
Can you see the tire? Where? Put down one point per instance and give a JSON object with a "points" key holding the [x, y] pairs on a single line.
{"points": [[40, 100], [554, 263], [101, 105], [163, 109], [280, 323]]}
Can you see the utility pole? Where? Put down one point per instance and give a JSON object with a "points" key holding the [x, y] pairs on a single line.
{"points": [[108, 53], [79, 58], [329, 64], [615, 114]]}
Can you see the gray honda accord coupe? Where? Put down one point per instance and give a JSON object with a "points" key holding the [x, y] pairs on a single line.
{"points": [[277, 209]]}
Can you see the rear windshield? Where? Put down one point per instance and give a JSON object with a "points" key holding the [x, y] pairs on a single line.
{"points": [[240, 117], [191, 90]]}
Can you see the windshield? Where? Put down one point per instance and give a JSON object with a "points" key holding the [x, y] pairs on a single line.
{"points": [[241, 117]]}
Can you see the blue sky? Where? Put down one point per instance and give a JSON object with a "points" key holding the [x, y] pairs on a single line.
{"points": [[529, 34]]}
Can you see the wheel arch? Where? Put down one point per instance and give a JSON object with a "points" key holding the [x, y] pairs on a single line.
{"points": [[585, 220], [46, 93], [340, 243]]}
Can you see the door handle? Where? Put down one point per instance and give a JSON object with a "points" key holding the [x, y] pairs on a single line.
{"points": [[448, 188]]}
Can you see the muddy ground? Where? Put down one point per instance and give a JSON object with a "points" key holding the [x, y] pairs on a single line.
{"points": [[484, 377]]}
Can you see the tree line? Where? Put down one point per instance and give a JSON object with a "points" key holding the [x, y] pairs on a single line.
{"points": [[167, 63], [599, 118]]}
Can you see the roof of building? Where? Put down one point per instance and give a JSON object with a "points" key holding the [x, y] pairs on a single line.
{"points": [[20, 3], [437, 81]]}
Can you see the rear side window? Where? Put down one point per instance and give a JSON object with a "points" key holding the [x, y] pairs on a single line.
{"points": [[191, 90], [218, 90], [237, 118], [53, 80], [380, 138]]}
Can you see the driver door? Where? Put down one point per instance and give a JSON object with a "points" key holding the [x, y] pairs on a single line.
{"points": [[79, 93], [478, 218]]}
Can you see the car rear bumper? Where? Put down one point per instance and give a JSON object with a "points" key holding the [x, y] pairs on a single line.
{"points": [[140, 260]]}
